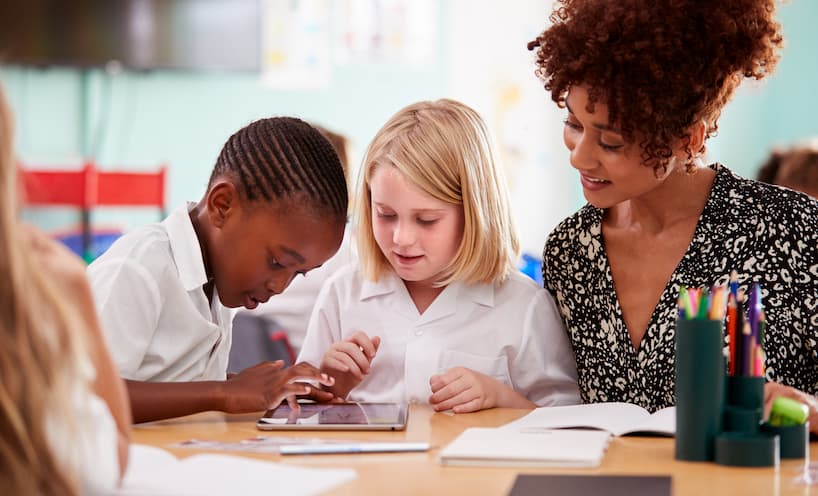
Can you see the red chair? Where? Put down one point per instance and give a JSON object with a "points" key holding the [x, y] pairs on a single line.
{"points": [[90, 187]]}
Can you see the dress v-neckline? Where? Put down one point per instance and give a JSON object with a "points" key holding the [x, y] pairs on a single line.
{"points": [[670, 290]]}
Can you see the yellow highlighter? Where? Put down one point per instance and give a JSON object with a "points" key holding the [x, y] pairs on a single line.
{"points": [[786, 411]]}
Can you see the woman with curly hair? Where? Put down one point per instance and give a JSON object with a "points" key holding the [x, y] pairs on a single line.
{"points": [[644, 84]]}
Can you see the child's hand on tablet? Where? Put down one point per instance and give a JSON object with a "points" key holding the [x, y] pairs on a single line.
{"points": [[464, 390], [264, 386], [349, 361]]}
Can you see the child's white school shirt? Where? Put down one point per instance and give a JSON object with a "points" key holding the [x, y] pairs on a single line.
{"points": [[85, 441], [511, 332], [156, 318]]}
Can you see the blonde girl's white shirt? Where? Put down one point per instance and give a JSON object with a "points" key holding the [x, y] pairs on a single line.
{"points": [[511, 332], [158, 323]]}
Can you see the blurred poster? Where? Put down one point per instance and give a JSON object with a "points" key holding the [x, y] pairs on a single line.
{"points": [[386, 31], [296, 45]]}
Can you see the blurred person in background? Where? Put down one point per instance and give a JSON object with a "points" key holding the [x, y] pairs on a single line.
{"points": [[795, 168]]}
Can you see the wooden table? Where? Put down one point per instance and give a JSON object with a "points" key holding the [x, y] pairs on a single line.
{"points": [[420, 473]]}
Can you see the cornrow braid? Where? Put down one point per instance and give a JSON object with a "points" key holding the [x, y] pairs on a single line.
{"points": [[279, 157]]}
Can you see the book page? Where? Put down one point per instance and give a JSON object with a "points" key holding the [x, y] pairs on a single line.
{"points": [[156, 472], [661, 422], [616, 418]]}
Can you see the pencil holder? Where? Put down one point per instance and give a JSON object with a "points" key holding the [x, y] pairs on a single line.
{"points": [[745, 391], [745, 404], [737, 419], [740, 449], [794, 439], [699, 388]]}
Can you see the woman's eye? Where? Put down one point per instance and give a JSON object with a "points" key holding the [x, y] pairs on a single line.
{"points": [[427, 222], [273, 263], [610, 148], [572, 125], [384, 215]]}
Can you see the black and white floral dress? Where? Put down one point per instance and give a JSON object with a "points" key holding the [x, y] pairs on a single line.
{"points": [[767, 234]]}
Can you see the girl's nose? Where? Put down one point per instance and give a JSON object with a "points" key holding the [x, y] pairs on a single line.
{"points": [[403, 235], [277, 285]]}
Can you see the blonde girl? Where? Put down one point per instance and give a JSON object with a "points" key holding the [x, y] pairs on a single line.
{"points": [[435, 312]]}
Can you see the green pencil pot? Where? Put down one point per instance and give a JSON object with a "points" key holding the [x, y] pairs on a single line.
{"points": [[737, 419], [794, 439], [739, 449], [745, 404], [745, 391], [700, 388]]}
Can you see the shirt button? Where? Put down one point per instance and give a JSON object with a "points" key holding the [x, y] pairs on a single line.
{"points": [[413, 401], [419, 333]]}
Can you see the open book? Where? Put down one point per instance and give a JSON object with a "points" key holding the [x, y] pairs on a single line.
{"points": [[154, 471], [543, 448], [617, 418]]}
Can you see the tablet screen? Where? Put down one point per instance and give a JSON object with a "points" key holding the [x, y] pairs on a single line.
{"points": [[336, 416]]}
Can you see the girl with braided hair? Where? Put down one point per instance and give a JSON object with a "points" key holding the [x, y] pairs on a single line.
{"points": [[275, 208]]}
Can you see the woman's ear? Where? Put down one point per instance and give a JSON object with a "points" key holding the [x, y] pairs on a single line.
{"points": [[222, 202], [698, 133]]}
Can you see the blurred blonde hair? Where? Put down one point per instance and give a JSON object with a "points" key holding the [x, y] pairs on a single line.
{"points": [[43, 355], [444, 149]]}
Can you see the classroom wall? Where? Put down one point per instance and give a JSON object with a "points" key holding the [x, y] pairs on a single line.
{"points": [[779, 110], [139, 120]]}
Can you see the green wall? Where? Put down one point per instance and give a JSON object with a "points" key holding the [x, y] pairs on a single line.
{"points": [[139, 120], [779, 110]]}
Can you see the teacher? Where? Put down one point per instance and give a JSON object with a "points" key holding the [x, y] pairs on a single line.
{"points": [[643, 85]]}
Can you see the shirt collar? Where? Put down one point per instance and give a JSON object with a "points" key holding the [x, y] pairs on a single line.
{"points": [[184, 244], [482, 294]]}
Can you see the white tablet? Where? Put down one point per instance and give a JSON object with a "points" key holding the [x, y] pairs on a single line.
{"points": [[337, 416]]}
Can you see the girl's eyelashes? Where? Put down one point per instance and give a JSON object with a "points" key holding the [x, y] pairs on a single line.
{"points": [[422, 222], [274, 264]]}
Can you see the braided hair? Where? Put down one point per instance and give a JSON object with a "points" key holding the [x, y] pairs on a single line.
{"points": [[284, 157]]}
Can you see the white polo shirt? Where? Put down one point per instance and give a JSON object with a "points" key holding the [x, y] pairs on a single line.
{"points": [[156, 318], [510, 332]]}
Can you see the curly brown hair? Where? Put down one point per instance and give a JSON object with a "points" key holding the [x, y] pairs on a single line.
{"points": [[660, 66]]}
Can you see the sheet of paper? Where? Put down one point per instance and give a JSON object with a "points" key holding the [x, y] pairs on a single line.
{"points": [[155, 472]]}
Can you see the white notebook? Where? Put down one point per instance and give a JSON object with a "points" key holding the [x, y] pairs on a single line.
{"points": [[541, 448], [617, 418]]}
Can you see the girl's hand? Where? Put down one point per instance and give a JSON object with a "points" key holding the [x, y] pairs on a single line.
{"points": [[773, 390], [349, 361], [464, 390], [264, 386]]}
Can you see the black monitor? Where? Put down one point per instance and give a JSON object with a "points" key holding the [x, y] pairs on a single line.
{"points": [[139, 34]]}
